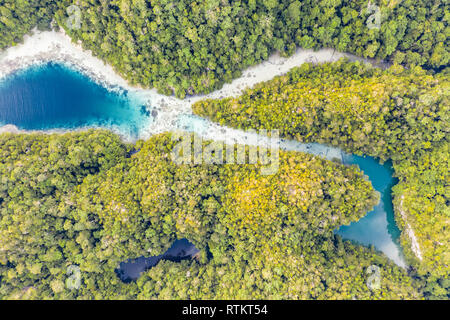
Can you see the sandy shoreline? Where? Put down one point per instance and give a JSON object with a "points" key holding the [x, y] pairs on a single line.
{"points": [[46, 46], [172, 113], [52, 46]]}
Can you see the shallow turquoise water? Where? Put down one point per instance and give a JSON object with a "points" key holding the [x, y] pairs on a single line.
{"points": [[53, 96], [378, 227]]}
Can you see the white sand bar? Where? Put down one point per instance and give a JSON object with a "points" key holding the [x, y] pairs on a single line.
{"points": [[46, 46]]}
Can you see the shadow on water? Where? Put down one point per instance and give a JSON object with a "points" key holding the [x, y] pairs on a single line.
{"points": [[378, 227], [131, 269]]}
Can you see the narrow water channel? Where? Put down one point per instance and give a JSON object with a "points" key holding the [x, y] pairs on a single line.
{"points": [[53, 96]]}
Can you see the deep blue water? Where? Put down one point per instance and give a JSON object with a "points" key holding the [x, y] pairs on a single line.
{"points": [[53, 96]]}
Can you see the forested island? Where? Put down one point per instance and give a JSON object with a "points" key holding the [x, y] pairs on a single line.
{"points": [[186, 47], [87, 200]]}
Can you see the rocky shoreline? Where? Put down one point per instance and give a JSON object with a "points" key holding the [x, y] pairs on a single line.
{"points": [[409, 231], [55, 46]]}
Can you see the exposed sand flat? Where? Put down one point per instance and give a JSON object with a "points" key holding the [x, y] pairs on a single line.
{"points": [[172, 113], [46, 46], [9, 128]]}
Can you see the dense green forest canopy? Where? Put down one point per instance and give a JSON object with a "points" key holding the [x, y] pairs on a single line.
{"points": [[83, 199], [19, 17], [186, 47], [87, 199], [395, 114]]}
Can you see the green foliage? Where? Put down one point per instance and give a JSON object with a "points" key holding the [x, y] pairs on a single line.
{"points": [[81, 199], [42, 229], [188, 47], [310, 268], [387, 114], [393, 114]]}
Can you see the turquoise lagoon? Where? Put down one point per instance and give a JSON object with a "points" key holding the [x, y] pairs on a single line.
{"points": [[55, 96]]}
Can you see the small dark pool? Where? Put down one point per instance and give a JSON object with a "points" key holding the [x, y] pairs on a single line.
{"points": [[131, 269]]}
